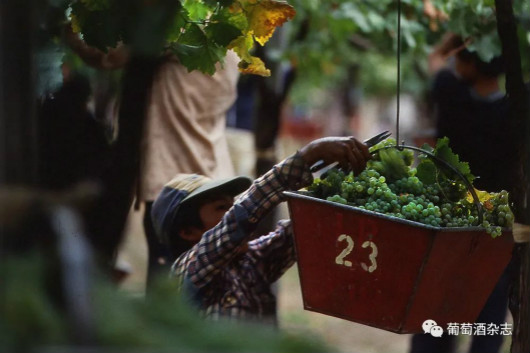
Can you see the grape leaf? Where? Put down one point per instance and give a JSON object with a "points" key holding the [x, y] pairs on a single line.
{"points": [[444, 152], [241, 46], [483, 196], [196, 9], [202, 57], [100, 28], [256, 66], [197, 52], [390, 163], [222, 33], [233, 15], [179, 22], [426, 172], [266, 15]]}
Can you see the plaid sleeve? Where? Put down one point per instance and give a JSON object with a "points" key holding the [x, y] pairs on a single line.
{"points": [[274, 253], [219, 245]]}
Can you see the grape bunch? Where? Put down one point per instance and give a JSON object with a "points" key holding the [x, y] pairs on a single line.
{"points": [[394, 189]]}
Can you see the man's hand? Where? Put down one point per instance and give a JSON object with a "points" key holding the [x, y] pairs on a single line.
{"points": [[450, 45], [115, 58], [350, 153]]}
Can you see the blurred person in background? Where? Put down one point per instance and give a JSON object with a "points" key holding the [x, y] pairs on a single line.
{"points": [[184, 130], [471, 110]]}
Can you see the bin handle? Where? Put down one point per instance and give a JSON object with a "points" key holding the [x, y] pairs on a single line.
{"points": [[437, 159]]}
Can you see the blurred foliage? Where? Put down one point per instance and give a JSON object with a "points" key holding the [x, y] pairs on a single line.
{"points": [[32, 319], [343, 33], [339, 34], [198, 32]]}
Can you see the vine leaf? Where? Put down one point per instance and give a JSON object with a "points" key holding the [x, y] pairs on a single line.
{"points": [[242, 46], [222, 33], [198, 52], [444, 152], [426, 172], [483, 196], [266, 15], [256, 67], [196, 9], [199, 34]]}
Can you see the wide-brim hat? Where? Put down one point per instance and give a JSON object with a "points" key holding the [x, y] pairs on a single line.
{"points": [[184, 188]]}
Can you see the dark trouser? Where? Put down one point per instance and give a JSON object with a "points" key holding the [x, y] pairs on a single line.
{"points": [[158, 263], [494, 311]]}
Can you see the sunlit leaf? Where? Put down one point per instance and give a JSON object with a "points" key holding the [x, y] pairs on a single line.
{"points": [[197, 10], [256, 67], [483, 196], [266, 15], [233, 15], [242, 46]]}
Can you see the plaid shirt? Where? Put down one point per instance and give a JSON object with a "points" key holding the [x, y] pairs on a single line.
{"points": [[227, 283]]}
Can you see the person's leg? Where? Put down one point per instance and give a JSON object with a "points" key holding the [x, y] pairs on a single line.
{"points": [[494, 312], [426, 343], [158, 262]]}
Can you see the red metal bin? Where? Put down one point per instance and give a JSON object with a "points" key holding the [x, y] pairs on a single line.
{"points": [[391, 273]]}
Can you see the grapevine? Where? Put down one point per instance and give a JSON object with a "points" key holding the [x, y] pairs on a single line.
{"points": [[424, 194], [199, 33]]}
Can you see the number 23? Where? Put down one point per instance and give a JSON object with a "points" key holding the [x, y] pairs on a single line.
{"points": [[339, 260]]}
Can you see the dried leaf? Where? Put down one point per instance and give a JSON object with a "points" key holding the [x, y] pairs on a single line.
{"points": [[256, 66], [266, 15]]}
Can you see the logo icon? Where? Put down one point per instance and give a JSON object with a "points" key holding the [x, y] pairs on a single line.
{"points": [[430, 326]]}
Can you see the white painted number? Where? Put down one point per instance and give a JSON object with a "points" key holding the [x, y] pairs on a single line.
{"points": [[372, 257], [339, 260]]}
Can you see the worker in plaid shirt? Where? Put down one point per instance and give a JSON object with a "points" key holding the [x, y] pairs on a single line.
{"points": [[225, 269]]}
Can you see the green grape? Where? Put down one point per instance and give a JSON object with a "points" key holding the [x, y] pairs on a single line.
{"points": [[440, 205]]}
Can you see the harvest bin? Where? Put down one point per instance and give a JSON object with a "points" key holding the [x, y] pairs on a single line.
{"points": [[391, 273]]}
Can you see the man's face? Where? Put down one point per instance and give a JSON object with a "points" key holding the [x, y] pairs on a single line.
{"points": [[466, 70], [214, 209], [211, 212]]}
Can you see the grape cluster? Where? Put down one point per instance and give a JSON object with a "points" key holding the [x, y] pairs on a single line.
{"points": [[408, 198]]}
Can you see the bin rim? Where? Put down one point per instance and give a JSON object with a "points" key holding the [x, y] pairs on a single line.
{"points": [[304, 195]]}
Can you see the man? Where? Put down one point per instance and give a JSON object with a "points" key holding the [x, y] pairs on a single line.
{"points": [[218, 264], [184, 130], [473, 113]]}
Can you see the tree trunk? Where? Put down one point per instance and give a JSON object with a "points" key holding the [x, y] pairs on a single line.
{"points": [[107, 222], [518, 100], [18, 125]]}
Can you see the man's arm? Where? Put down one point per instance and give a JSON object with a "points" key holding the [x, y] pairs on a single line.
{"points": [[220, 245], [449, 46], [115, 58], [274, 253]]}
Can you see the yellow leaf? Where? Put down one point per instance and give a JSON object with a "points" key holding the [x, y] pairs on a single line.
{"points": [[483, 196], [255, 66], [74, 22], [242, 45], [266, 15]]}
